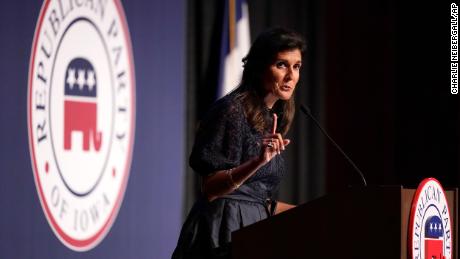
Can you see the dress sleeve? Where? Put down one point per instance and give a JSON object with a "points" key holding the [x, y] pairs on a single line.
{"points": [[218, 142]]}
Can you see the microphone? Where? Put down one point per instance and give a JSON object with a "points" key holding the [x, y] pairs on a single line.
{"points": [[307, 111]]}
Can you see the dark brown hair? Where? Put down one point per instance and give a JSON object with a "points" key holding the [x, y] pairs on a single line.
{"points": [[251, 90]]}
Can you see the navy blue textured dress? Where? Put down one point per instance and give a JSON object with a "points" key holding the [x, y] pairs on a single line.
{"points": [[225, 140]]}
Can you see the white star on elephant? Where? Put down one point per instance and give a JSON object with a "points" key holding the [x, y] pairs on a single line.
{"points": [[81, 79], [91, 82], [70, 77]]}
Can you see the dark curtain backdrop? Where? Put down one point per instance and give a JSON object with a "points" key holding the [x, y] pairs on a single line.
{"points": [[376, 75]]}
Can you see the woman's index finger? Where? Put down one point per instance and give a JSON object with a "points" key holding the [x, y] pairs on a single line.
{"points": [[275, 121]]}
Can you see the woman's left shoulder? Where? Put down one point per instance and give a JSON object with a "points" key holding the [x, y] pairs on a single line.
{"points": [[229, 106]]}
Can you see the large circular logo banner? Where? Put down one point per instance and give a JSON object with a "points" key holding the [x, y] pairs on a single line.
{"points": [[81, 116]]}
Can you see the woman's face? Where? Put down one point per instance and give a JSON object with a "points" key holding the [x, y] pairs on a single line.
{"points": [[282, 76]]}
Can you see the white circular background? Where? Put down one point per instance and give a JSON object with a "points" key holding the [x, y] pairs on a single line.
{"points": [[81, 169]]}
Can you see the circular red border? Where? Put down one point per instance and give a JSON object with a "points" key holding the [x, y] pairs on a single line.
{"points": [[414, 208], [85, 244]]}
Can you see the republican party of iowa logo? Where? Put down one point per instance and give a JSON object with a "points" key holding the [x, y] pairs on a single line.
{"points": [[81, 116], [430, 229]]}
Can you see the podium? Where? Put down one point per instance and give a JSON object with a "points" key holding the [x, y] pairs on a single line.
{"points": [[366, 222]]}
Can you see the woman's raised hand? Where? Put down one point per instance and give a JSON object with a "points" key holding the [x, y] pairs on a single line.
{"points": [[273, 144]]}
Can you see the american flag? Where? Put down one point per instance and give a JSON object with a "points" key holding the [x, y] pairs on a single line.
{"points": [[235, 44]]}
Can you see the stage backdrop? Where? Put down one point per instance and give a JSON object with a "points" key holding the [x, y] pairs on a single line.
{"points": [[150, 214]]}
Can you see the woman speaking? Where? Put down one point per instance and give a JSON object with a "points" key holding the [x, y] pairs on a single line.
{"points": [[238, 148]]}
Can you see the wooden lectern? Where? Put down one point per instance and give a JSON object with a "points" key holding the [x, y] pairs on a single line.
{"points": [[370, 222]]}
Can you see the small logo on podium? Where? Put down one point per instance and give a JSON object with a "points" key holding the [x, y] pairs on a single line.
{"points": [[430, 229]]}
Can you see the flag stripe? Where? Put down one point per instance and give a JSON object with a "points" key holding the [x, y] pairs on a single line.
{"points": [[235, 41], [232, 23]]}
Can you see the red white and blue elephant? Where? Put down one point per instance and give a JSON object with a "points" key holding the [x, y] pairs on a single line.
{"points": [[80, 104]]}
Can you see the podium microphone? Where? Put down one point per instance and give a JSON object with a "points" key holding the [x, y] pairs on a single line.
{"points": [[307, 111]]}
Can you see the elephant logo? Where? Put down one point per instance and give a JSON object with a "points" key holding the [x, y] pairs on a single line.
{"points": [[430, 230], [434, 234], [80, 104]]}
